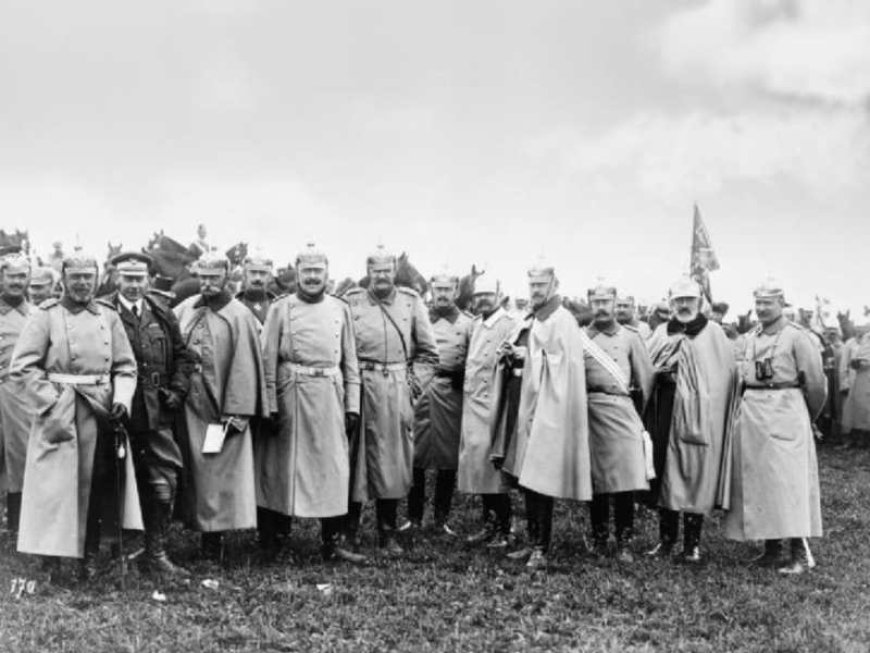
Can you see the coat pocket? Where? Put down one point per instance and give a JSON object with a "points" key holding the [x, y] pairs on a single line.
{"points": [[58, 424]]}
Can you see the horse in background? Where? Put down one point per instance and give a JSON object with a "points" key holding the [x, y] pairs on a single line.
{"points": [[14, 242], [171, 259], [108, 282], [581, 311], [465, 293]]}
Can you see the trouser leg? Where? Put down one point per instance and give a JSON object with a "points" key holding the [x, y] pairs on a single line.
{"points": [[385, 512], [623, 516], [269, 523], [532, 525], [445, 481], [692, 526], [330, 530], [213, 545], [417, 496], [599, 516], [13, 511], [545, 522], [352, 523], [501, 509]]}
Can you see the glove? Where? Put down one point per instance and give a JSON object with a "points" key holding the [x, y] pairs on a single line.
{"points": [[118, 413], [235, 424], [171, 399], [351, 423]]}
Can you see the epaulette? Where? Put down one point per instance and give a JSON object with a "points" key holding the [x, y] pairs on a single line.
{"points": [[48, 303], [358, 290], [408, 291]]}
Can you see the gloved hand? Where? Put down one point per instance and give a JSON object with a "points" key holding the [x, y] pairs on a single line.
{"points": [[118, 413], [235, 424], [351, 423], [171, 399]]}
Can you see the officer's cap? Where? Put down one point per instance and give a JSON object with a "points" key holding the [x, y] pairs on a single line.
{"points": [[684, 287], [132, 264]]}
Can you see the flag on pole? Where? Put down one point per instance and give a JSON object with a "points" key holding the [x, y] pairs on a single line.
{"points": [[703, 257]]}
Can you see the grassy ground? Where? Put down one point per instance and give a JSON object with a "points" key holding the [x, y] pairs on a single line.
{"points": [[444, 596]]}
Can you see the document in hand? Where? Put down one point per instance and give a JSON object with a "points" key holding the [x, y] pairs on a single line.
{"points": [[215, 435]]}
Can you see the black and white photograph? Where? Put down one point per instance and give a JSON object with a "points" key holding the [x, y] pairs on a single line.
{"points": [[400, 325]]}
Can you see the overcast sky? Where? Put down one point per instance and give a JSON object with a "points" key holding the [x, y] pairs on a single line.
{"points": [[486, 132]]}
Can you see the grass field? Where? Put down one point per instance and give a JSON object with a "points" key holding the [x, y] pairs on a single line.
{"points": [[444, 596]]}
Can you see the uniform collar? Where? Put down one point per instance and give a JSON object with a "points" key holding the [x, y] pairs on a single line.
{"points": [[610, 330], [23, 307], [774, 328], [450, 314], [691, 329], [492, 319], [215, 303], [389, 299], [545, 311], [126, 303], [75, 308]]}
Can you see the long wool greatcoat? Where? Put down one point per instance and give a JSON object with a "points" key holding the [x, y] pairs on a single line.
{"points": [[312, 380], [228, 380], [552, 439], [438, 413], [61, 337], [697, 446], [615, 428], [382, 453], [856, 408], [775, 477], [15, 412], [476, 474]]}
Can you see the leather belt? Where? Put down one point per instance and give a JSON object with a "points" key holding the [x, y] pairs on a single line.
{"points": [[382, 367], [79, 379], [302, 370], [774, 386], [154, 378]]}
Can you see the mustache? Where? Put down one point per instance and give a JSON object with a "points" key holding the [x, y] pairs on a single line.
{"points": [[602, 313]]}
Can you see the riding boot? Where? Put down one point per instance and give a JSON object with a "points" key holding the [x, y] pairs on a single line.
{"points": [[385, 511], [157, 516], [545, 523], [532, 526], [599, 517], [692, 525], [267, 531], [669, 525], [330, 548], [351, 526], [13, 513], [445, 480], [771, 555], [488, 530], [623, 517], [417, 497], [213, 546], [501, 505], [88, 564]]}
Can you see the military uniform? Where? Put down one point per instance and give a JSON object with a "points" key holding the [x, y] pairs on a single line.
{"points": [[164, 367], [74, 362], [616, 445], [438, 415], [391, 334], [774, 490], [258, 302], [15, 412]]}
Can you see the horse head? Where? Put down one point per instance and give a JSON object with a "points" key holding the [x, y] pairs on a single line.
{"points": [[409, 276], [466, 288]]}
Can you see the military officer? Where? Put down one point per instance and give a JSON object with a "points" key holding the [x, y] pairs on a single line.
{"points": [[15, 414], [617, 367], [312, 378], [774, 491], [256, 278], [626, 314], [163, 381], [41, 285], [74, 361], [476, 473], [227, 389], [438, 413], [393, 332]]}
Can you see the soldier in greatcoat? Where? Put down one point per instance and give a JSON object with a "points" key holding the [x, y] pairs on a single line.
{"points": [[15, 412], [74, 363], [227, 390], [438, 413], [164, 367], [688, 418], [313, 386], [393, 334], [477, 474], [256, 277], [774, 491], [619, 379], [41, 285]]}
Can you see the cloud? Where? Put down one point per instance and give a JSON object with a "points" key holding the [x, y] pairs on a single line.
{"points": [[810, 50]]}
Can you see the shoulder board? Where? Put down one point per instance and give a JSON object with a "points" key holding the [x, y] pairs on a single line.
{"points": [[105, 302], [466, 314], [353, 292], [340, 299], [630, 327], [49, 303], [408, 291]]}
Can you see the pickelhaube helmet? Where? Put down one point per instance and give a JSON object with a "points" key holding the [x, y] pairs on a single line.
{"points": [[684, 287], [42, 276], [542, 268], [381, 255], [258, 261], [769, 289], [15, 263], [79, 261], [601, 290], [444, 276], [312, 256], [486, 283], [211, 262]]}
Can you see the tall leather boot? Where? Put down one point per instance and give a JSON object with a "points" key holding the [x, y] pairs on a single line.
{"points": [[385, 510], [445, 481], [692, 525], [267, 531], [156, 527], [669, 525], [623, 517], [331, 548], [532, 527], [541, 548], [13, 513], [501, 506], [352, 523], [770, 557], [212, 546], [599, 518], [799, 561], [88, 565], [416, 500]]}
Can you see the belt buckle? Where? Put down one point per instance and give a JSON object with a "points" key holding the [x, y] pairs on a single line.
{"points": [[319, 372]]}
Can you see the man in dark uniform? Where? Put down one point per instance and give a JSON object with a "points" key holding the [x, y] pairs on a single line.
{"points": [[256, 280], [164, 367]]}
